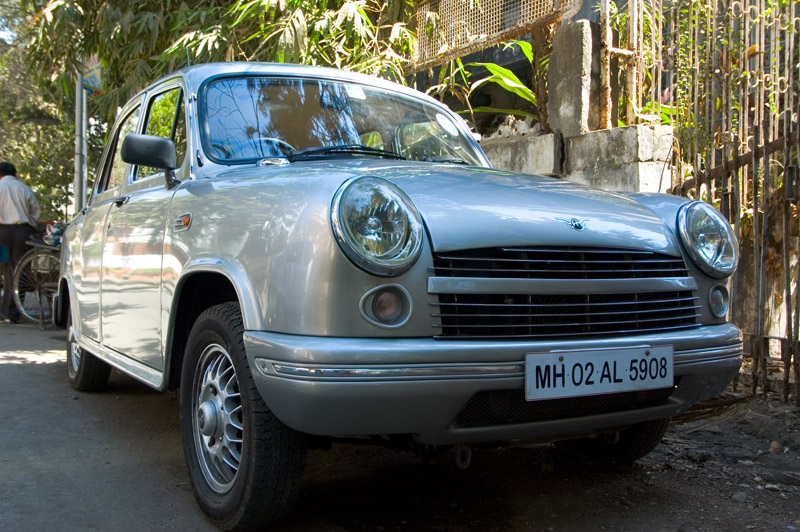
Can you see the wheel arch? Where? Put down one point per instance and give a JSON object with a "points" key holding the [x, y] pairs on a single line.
{"points": [[61, 303], [202, 285]]}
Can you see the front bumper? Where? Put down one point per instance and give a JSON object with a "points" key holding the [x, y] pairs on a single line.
{"points": [[420, 386]]}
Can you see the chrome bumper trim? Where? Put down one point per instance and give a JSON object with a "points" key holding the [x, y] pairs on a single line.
{"points": [[448, 371], [317, 372], [708, 355]]}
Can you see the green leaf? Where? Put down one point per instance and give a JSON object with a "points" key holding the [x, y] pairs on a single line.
{"points": [[506, 79], [525, 46]]}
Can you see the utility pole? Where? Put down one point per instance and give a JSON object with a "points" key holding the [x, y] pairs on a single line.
{"points": [[81, 145]]}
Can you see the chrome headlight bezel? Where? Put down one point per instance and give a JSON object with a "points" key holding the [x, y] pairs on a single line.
{"points": [[719, 263], [404, 245]]}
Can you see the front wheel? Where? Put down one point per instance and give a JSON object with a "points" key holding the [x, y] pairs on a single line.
{"points": [[624, 447], [244, 464]]}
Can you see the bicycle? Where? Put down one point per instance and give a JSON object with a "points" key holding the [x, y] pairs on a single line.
{"points": [[36, 281]]}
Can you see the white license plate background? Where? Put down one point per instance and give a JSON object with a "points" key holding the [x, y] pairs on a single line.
{"points": [[597, 371]]}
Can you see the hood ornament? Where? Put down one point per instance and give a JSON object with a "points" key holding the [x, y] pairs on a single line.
{"points": [[579, 224]]}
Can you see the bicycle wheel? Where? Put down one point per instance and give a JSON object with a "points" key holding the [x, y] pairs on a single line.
{"points": [[35, 282]]}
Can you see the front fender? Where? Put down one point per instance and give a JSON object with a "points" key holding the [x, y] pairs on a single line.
{"points": [[234, 271]]}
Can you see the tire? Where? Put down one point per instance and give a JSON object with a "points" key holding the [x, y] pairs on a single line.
{"points": [[86, 372], [631, 444], [245, 466], [35, 282]]}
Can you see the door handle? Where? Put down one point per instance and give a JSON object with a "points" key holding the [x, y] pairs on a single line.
{"points": [[119, 201]]}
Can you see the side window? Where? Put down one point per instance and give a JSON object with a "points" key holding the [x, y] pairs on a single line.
{"points": [[166, 118], [116, 173]]}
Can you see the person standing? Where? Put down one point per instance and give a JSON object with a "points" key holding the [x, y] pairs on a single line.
{"points": [[19, 215]]}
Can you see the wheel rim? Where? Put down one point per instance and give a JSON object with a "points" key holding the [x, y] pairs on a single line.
{"points": [[73, 351], [217, 418]]}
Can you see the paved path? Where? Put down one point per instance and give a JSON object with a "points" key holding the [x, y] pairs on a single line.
{"points": [[78, 462]]}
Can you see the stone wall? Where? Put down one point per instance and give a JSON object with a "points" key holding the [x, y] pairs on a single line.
{"points": [[529, 154], [629, 159]]}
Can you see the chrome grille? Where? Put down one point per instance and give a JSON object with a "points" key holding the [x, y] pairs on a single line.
{"points": [[554, 315]]}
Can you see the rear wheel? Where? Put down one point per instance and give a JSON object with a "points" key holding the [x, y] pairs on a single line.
{"points": [[245, 465], [86, 372], [623, 447]]}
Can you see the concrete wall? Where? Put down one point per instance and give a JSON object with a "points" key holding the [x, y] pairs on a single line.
{"points": [[630, 159], [530, 154]]}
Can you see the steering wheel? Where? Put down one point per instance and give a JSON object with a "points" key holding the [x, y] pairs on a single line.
{"points": [[285, 146]]}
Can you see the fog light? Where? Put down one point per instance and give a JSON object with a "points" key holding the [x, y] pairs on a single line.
{"points": [[718, 301], [387, 306]]}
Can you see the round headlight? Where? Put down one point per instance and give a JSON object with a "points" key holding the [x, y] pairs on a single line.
{"points": [[377, 225], [708, 238]]}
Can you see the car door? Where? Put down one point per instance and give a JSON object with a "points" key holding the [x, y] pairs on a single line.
{"points": [[87, 271], [134, 240]]}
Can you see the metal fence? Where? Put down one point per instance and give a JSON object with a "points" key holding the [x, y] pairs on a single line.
{"points": [[447, 29], [726, 74]]}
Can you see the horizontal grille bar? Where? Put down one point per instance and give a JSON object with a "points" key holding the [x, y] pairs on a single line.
{"points": [[563, 335], [576, 323], [549, 304], [607, 273], [570, 325], [549, 314], [480, 285]]}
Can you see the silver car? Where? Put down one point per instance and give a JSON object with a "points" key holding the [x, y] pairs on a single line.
{"points": [[308, 254]]}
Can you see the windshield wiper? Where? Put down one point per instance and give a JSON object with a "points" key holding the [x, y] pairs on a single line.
{"points": [[451, 160], [341, 149]]}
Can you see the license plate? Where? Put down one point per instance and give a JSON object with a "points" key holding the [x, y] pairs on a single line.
{"points": [[598, 371]]}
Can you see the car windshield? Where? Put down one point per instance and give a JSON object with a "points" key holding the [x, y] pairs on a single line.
{"points": [[253, 118]]}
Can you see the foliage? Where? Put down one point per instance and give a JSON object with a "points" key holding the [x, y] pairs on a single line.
{"points": [[38, 131], [137, 43], [454, 82], [618, 19]]}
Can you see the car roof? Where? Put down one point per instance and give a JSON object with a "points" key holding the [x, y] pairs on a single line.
{"points": [[196, 75]]}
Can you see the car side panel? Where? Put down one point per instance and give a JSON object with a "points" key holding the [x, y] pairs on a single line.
{"points": [[131, 284], [87, 268]]}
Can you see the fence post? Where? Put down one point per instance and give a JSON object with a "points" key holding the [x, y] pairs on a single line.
{"points": [[605, 66]]}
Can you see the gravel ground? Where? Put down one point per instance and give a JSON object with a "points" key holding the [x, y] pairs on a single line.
{"points": [[738, 470]]}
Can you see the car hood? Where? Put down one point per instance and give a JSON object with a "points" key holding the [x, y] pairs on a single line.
{"points": [[470, 208], [465, 207]]}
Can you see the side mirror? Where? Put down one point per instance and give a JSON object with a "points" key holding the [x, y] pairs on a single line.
{"points": [[150, 150]]}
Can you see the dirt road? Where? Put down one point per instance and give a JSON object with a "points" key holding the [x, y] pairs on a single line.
{"points": [[112, 461]]}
